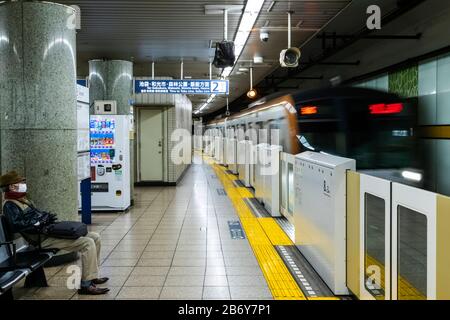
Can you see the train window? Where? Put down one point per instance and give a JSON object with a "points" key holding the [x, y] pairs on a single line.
{"points": [[375, 244], [412, 255], [345, 127], [380, 142], [275, 134], [240, 133], [321, 129], [262, 132]]}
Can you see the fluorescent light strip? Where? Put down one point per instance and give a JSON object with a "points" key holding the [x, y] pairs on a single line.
{"points": [[251, 13]]}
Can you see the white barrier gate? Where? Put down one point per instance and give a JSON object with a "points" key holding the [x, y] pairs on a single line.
{"points": [[219, 150], [244, 160], [231, 156], [375, 218], [320, 215], [398, 241], [267, 177]]}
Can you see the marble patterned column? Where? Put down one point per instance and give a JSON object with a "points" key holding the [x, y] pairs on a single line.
{"points": [[113, 80], [38, 101]]}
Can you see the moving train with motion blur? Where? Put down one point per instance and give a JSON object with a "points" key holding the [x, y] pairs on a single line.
{"points": [[375, 128]]}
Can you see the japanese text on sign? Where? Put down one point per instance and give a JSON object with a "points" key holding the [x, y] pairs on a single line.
{"points": [[182, 86]]}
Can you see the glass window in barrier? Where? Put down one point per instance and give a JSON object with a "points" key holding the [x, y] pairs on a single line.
{"points": [[291, 195], [375, 246], [284, 186], [412, 255]]}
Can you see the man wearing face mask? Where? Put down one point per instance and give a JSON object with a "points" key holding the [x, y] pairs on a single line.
{"points": [[24, 218]]}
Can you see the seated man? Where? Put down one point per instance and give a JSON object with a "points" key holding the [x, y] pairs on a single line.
{"points": [[25, 219]]}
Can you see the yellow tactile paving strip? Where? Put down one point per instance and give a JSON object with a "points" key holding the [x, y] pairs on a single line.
{"points": [[273, 231], [280, 281]]}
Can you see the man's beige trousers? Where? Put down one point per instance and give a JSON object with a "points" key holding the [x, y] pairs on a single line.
{"points": [[88, 247]]}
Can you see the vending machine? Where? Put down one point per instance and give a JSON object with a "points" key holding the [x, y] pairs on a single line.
{"points": [[110, 162]]}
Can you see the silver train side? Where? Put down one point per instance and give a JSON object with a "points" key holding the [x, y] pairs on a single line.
{"points": [[375, 128]]}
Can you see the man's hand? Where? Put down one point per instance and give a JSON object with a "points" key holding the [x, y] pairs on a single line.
{"points": [[52, 218]]}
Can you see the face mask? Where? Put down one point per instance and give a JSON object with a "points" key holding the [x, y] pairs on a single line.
{"points": [[22, 188]]}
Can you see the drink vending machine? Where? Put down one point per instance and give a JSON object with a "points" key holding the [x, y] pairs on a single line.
{"points": [[110, 162]]}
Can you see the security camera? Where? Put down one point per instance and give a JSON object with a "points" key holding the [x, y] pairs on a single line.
{"points": [[289, 57], [264, 36]]}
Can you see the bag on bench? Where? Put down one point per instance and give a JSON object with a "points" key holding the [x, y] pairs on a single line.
{"points": [[71, 230]]}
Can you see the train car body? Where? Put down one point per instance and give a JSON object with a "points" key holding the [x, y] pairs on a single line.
{"points": [[375, 128]]}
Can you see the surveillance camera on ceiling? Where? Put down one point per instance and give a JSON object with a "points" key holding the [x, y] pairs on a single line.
{"points": [[264, 36], [289, 58]]}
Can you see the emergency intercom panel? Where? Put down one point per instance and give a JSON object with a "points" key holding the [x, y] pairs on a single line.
{"points": [[105, 107]]}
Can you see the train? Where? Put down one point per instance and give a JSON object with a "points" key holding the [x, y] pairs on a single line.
{"points": [[376, 128]]}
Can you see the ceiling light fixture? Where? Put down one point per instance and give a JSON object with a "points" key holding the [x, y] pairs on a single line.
{"points": [[252, 93], [257, 59], [272, 4], [248, 19]]}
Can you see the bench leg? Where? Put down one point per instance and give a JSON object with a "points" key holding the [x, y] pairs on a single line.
{"points": [[36, 279], [7, 296]]}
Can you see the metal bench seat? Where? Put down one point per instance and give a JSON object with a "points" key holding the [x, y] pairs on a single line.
{"points": [[10, 279], [32, 260], [16, 265]]}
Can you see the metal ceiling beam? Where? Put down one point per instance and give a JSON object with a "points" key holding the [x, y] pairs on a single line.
{"points": [[351, 63], [299, 78], [332, 36], [284, 29], [220, 8]]}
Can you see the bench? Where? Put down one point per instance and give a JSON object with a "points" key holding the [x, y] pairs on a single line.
{"points": [[16, 265]]}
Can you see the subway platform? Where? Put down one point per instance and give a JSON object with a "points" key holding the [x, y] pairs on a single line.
{"points": [[199, 240]]}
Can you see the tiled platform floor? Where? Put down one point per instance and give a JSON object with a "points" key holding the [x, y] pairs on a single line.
{"points": [[174, 244]]}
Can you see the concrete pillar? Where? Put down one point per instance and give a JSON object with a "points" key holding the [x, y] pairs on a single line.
{"points": [[113, 80], [38, 101]]}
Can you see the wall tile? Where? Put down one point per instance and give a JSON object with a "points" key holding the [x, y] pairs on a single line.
{"points": [[443, 91]]}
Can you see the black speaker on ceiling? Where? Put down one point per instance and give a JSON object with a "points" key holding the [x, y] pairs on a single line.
{"points": [[224, 56]]}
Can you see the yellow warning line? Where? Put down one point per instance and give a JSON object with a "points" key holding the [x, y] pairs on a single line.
{"points": [[280, 281]]}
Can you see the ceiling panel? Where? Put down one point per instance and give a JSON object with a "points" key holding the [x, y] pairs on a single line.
{"points": [[170, 31]]}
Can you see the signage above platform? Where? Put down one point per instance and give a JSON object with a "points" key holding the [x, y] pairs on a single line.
{"points": [[204, 87]]}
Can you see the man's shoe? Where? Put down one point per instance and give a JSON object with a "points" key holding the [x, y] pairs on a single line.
{"points": [[92, 290], [100, 281]]}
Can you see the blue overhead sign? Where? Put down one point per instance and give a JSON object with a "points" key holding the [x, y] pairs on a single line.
{"points": [[206, 87]]}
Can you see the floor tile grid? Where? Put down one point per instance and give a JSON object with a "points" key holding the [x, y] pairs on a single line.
{"points": [[149, 240], [220, 236], [137, 220], [177, 244]]}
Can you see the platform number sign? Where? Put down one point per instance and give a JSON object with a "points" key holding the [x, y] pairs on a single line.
{"points": [[219, 86], [200, 87]]}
